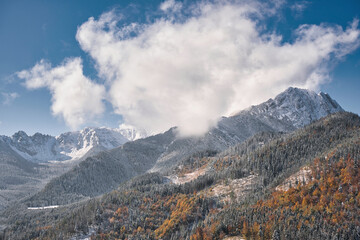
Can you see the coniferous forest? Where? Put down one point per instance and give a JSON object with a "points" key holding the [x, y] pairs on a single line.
{"points": [[252, 190]]}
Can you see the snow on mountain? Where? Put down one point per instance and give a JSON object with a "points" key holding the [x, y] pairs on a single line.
{"points": [[297, 106], [70, 145], [77, 144], [35, 148]]}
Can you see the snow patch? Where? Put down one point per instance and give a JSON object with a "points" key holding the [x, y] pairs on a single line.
{"points": [[234, 189], [187, 177], [42, 208], [302, 177]]}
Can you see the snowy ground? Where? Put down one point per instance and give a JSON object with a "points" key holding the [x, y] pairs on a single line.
{"points": [[302, 176], [42, 208], [187, 177], [236, 188]]}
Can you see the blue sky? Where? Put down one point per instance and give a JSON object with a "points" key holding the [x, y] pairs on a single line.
{"points": [[34, 30]]}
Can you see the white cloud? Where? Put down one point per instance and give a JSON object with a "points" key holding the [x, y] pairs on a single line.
{"points": [[217, 61], [191, 66], [8, 98], [74, 97], [170, 5]]}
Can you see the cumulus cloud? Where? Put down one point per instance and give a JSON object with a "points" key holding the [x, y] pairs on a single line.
{"points": [[217, 59], [74, 97], [192, 65], [8, 98]]}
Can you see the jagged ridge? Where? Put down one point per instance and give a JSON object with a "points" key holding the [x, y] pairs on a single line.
{"points": [[70, 145]]}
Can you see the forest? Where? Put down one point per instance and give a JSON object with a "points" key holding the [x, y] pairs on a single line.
{"points": [[325, 205]]}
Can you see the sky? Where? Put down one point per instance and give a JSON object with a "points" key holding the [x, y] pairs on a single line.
{"points": [[67, 64]]}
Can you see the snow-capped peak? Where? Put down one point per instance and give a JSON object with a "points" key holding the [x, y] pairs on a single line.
{"points": [[298, 106], [77, 144], [66, 146]]}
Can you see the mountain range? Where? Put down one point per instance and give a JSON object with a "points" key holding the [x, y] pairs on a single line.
{"points": [[298, 183], [163, 152], [248, 153], [28, 163], [42, 148]]}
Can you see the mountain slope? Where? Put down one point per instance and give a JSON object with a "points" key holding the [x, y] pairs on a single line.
{"points": [[149, 207], [15, 172], [136, 157]]}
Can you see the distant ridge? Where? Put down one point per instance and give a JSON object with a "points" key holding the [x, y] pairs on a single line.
{"points": [[71, 145]]}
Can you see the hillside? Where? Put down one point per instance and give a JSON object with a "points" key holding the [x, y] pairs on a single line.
{"points": [[16, 173], [149, 206]]}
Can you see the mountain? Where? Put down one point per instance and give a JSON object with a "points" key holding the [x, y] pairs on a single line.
{"points": [[71, 145], [103, 172], [27, 162], [291, 109], [92, 178], [235, 196], [297, 106]]}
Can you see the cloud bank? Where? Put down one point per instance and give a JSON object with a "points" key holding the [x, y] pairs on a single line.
{"points": [[74, 97], [191, 66]]}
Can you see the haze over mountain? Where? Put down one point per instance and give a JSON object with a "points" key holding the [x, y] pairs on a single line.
{"points": [[163, 152]]}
